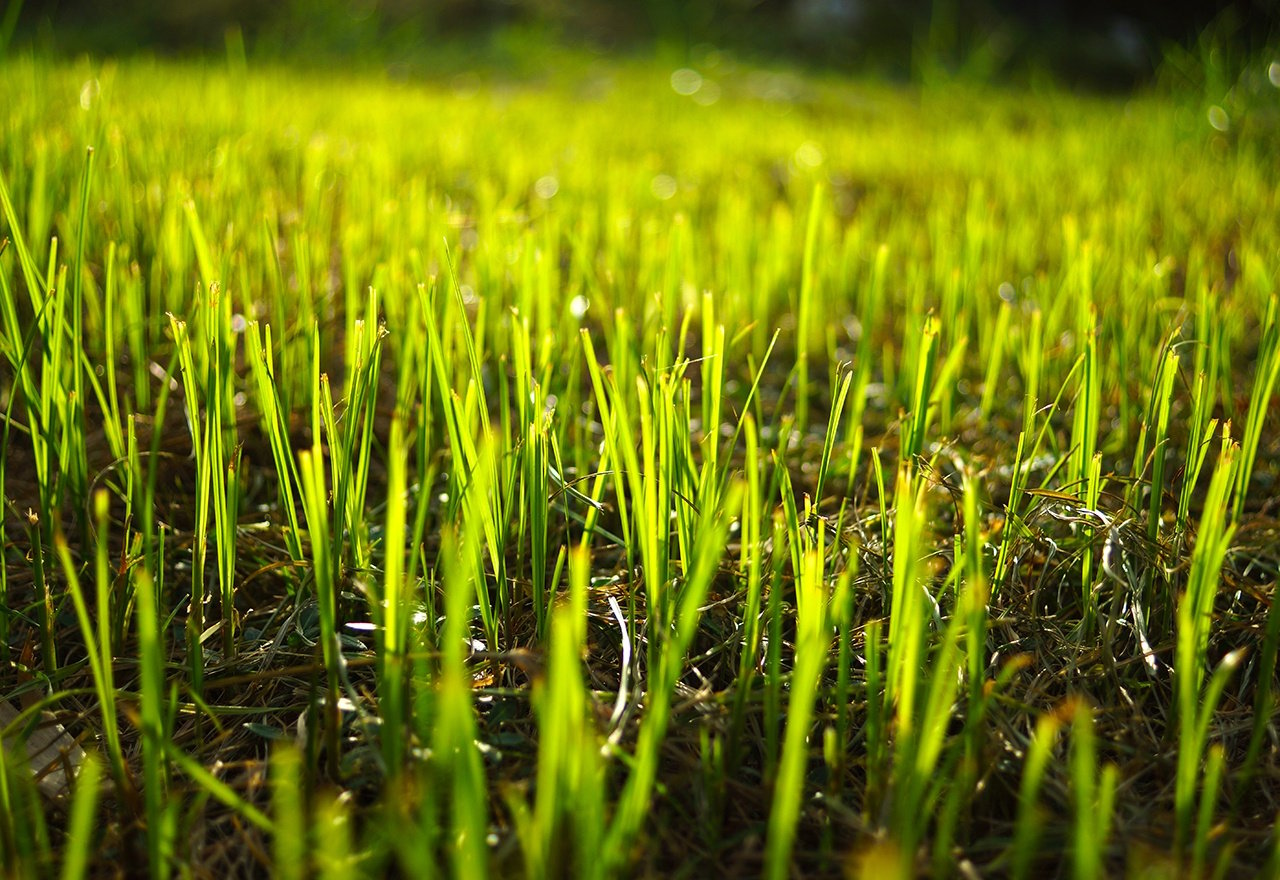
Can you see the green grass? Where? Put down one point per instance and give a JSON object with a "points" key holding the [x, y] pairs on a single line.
{"points": [[562, 475]]}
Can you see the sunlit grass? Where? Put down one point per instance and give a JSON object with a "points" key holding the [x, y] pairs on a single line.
{"points": [[579, 474]]}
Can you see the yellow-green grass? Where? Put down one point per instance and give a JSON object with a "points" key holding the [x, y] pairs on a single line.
{"points": [[623, 469]]}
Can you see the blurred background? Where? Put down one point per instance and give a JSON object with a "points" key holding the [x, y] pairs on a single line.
{"points": [[1103, 44]]}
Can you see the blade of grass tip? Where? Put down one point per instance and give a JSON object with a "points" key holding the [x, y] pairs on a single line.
{"points": [[418, 813], [216, 788], [332, 855], [653, 510], [712, 368], [15, 344], [199, 552], [1030, 815], [526, 396], [479, 514], [289, 843], [274, 425], [921, 412], [30, 274], [101, 672], [81, 828], [829, 440], [568, 791], [237, 60], [150, 651], [79, 461], [113, 420], [611, 435], [1092, 795], [315, 504], [1107, 783], [223, 455], [996, 355], [1192, 748], [797, 535], [804, 308], [55, 399], [155, 548], [1086, 858], [1265, 376], [875, 734], [974, 598], [751, 565], [842, 611], [1200, 435], [1084, 426], [1084, 442], [24, 846], [468, 338], [1032, 360], [9, 840], [1273, 862], [869, 312], [44, 591], [587, 797], [882, 513], [395, 613], [1195, 623], [751, 400], [536, 503], [1204, 818], [339, 470], [908, 617], [1149, 424], [942, 395], [1092, 493], [107, 638], [773, 683], [1159, 450], [363, 407], [918, 750], [812, 642], [460, 782], [204, 258]]}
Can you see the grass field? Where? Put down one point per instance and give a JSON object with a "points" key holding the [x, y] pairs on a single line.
{"points": [[635, 469]]}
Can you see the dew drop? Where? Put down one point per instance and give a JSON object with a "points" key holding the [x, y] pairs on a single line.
{"points": [[686, 81], [663, 186]]}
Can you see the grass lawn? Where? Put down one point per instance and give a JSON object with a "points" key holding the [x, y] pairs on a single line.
{"points": [[635, 469]]}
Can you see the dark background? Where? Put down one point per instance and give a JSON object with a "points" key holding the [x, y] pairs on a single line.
{"points": [[1090, 42]]}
